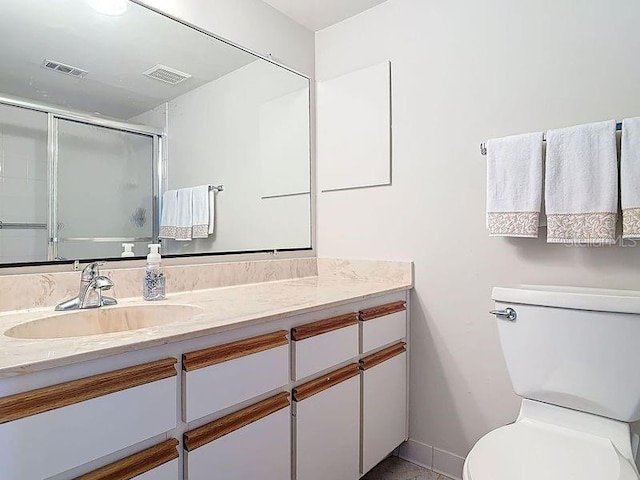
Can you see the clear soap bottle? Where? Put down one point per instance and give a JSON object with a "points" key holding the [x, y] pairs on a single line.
{"points": [[154, 284]]}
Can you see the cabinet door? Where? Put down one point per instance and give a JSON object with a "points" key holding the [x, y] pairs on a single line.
{"points": [[327, 433], [54, 429], [252, 443], [219, 377], [156, 463], [384, 404]]}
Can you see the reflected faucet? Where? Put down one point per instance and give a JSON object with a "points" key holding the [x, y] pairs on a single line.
{"points": [[90, 295]]}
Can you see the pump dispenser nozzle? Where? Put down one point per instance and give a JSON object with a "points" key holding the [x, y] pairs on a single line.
{"points": [[154, 253]]}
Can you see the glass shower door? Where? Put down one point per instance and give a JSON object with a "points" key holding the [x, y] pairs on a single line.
{"points": [[103, 192]]}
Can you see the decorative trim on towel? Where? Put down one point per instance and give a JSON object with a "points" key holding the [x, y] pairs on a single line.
{"points": [[167, 232], [631, 223], [513, 224], [183, 233], [201, 231], [581, 227]]}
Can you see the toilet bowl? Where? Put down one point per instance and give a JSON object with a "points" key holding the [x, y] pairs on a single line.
{"points": [[553, 443], [572, 355]]}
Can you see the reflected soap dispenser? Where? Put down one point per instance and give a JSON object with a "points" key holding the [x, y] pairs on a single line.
{"points": [[154, 285], [128, 250]]}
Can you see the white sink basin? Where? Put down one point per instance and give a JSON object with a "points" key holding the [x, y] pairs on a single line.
{"points": [[98, 321]]}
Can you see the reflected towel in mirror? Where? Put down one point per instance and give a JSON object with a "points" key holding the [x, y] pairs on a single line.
{"points": [[203, 208], [184, 231], [169, 220]]}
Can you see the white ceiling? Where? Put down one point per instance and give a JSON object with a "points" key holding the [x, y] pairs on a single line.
{"points": [[115, 50], [319, 14]]}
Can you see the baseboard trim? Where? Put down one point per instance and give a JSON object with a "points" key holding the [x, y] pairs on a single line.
{"points": [[438, 460]]}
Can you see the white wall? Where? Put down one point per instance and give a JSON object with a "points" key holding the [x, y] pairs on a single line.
{"points": [[250, 23], [215, 136], [463, 72]]}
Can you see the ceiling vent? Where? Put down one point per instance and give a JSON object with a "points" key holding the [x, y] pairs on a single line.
{"points": [[63, 68], [166, 74]]}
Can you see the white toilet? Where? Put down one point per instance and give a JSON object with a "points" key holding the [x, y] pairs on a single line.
{"points": [[573, 355]]}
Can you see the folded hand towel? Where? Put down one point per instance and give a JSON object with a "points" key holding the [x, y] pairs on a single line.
{"points": [[514, 185], [185, 214], [201, 211], [630, 177], [581, 186], [169, 219]]}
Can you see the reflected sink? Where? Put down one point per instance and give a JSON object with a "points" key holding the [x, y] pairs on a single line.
{"points": [[98, 321]]}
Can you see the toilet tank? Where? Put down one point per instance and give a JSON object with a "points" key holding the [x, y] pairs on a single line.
{"points": [[574, 347]]}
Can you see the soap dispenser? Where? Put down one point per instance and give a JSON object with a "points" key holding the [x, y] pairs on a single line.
{"points": [[128, 250], [154, 285]]}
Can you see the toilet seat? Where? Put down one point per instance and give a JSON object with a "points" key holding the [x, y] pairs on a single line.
{"points": [[531, 450]]}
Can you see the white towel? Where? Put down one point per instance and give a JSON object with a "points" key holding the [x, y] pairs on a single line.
{"points": [[514, 185], [185, 214], [201, 206], [212, 210], [630, 177], [169, 218], [581, 186]]}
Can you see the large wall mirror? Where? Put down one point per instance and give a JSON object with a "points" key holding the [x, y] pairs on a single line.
{"points": [[119, 125]]}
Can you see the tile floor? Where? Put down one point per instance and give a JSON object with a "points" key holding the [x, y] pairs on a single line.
{"points": [[394, 468]]}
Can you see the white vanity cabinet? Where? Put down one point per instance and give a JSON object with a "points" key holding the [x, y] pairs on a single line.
{"points": [[252, 443], [384, 403], [327, 426], [53, 429], [221, 376], [315, 396]]}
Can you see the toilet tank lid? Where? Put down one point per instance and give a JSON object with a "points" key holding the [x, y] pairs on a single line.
{"points": [[578, 298]]}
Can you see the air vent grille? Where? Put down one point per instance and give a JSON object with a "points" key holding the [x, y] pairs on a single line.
{"points": [[166, 74], [64, 68]]}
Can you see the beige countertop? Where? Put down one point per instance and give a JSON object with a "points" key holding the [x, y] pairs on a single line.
{"points": [[222, 309]]}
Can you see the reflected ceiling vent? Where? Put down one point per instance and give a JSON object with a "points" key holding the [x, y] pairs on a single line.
{"points": [[166, 74], [64, 68]]}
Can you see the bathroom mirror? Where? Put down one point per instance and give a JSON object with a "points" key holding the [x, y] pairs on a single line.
{"points": [[119, 124]]}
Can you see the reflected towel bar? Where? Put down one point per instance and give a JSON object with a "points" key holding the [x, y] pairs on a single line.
{"points": [[483, 146], [26, 226]]}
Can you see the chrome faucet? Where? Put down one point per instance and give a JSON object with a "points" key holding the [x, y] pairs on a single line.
{"points": [[90, 295]]}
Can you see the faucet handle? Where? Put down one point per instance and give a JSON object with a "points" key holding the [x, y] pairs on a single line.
{"points": [[91, 270]]}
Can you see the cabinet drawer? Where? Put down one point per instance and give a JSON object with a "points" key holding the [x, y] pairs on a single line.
{"points": [[383, 325], [156, 463], [67, 425], [254, 442], [321, 345], [384, 404], [328, 426], [222, 376]]}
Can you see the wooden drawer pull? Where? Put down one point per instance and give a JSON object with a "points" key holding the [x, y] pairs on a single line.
{"points": [[136, 464], [382, 356], [218, 428], [42, 400], [323, 326], [309, 389], [229, 351], [382, 310]]}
